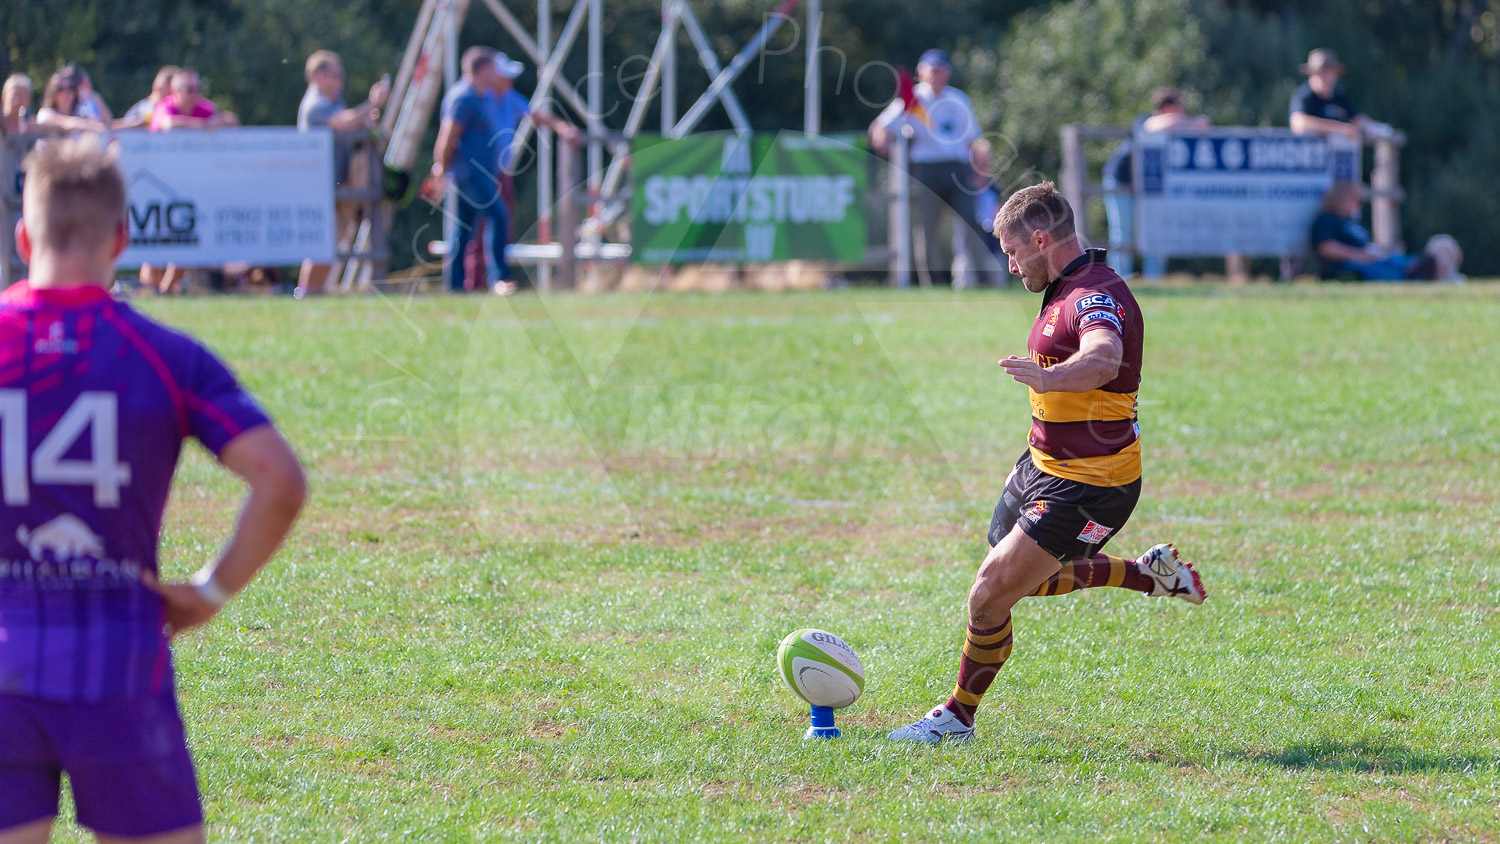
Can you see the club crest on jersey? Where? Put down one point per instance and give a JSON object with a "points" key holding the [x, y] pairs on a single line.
{"points": [[1106, 316], [1094, 533], [56, 342], [1052, 322]]}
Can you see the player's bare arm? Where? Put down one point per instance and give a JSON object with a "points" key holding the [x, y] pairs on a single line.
{"points": [[1096, 363], [278, 489]]}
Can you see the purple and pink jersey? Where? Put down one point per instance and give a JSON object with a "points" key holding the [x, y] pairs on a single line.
{"points": [[95, 403]]}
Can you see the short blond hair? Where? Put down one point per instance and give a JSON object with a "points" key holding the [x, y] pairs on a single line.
{"points": [[319, 60], [17, 80], [74, 199], [1039, 207]]}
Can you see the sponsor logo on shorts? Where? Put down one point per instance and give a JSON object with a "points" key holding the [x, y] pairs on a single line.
{"points": [[1036, 511], [1094, 533], [1095, 300], [1106, 316]]}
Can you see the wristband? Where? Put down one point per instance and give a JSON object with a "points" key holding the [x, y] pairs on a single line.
{"points": [[209, 590]]}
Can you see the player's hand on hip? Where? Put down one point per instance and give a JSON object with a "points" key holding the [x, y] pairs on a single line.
{"points": [[185, 606], [1027, 371]]}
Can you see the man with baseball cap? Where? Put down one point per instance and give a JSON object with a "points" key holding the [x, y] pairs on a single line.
{"points": [[507, 107], [944, 130], [1320, 106]]}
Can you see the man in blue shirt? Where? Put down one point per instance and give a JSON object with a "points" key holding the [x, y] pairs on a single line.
{"points": [[465, 157], [507, 108]]}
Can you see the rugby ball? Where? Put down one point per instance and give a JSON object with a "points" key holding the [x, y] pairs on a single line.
{"points": [[821, 668]]}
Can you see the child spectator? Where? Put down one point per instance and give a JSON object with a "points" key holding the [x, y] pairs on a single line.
{"points": [[138, 116]]}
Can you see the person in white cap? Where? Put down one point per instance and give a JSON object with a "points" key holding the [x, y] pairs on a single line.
{"points": [[507, 108]]}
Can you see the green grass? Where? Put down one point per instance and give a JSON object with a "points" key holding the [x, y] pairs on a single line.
{"points": [[553, 544]]}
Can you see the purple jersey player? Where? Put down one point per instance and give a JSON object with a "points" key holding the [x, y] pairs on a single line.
{"points": [[96, 401]]}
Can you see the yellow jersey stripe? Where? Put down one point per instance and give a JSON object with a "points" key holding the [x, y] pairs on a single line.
{"points": [[1093, 406], [1108, 470]]}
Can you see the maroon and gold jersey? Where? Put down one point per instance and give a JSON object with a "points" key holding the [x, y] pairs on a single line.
{"points": [[1090, 437]]}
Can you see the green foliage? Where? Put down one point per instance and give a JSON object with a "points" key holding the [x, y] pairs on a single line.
{"points": [[1430, 68]]}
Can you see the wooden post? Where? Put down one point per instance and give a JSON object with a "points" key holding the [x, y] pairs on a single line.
{"points": [[1385, 205], [1074, 177], [567, 215], [10, 211]]}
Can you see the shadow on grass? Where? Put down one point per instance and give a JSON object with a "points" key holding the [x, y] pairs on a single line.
{"points": [[1370, 757]]}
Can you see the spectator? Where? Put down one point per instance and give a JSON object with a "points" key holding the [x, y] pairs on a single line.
{"points": [[1320, 106], [323, 105], [944, 130], [507, 109], [1167, 115], [15, 105], [464, 158], [1344, 248], [90, 104], [986, 206], [60, 107], [138, 116], [186, 108]]}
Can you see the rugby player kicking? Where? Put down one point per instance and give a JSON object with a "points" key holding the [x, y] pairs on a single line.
{"points": [[95, 403], [1077, 484]]}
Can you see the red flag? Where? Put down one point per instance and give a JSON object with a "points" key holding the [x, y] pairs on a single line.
{"points": [[907, 91]]}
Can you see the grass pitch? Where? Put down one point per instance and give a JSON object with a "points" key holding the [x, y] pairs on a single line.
{"points": [[553, 543]]}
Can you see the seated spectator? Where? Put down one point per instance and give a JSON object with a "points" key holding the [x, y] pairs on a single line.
{"points": [[1167, 115], [1345, 250], [15, 105], [60, 107], [1320, 106], [323, 105], [186, 108], [138, 116]]}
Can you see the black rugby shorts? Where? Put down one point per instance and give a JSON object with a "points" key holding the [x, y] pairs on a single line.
{"points": [[1066, 518]]}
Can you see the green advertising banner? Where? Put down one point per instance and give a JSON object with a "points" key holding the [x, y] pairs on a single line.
{"points": [[748, 198]]}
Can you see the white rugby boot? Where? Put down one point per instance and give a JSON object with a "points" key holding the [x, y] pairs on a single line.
{"points": [[1173, 577], [936, 726]]}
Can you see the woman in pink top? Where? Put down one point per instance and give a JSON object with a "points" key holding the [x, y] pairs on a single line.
{"points": [[185, 107]]}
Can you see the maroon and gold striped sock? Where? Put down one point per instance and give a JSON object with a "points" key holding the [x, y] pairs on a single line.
{"points": [[1101, 570], [984, 652]]}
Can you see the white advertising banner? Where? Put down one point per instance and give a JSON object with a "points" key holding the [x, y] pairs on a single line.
{"points": [[262, 195], [1224, 191]]}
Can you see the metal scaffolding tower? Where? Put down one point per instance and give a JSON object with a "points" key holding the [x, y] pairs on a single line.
{"points": [[435, 42]]}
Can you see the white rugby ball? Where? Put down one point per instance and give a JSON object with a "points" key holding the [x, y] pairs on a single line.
{"points": [[821, 668]]}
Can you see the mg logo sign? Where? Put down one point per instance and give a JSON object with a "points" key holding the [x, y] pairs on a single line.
{"points": [[159, 216]]}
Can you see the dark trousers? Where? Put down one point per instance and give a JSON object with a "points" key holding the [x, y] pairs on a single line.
{"points": [[474, 263], [474, 205], [943, 184]]}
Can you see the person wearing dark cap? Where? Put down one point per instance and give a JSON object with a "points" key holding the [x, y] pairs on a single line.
{"points": [[1320, 106], [944, 130]]}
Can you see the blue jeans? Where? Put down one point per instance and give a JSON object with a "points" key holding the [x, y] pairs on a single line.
{"points": [[473, 202], [1393, 268], [1120, 211]]}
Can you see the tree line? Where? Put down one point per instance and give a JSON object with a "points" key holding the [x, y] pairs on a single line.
{"points": [[1429, 67]]}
